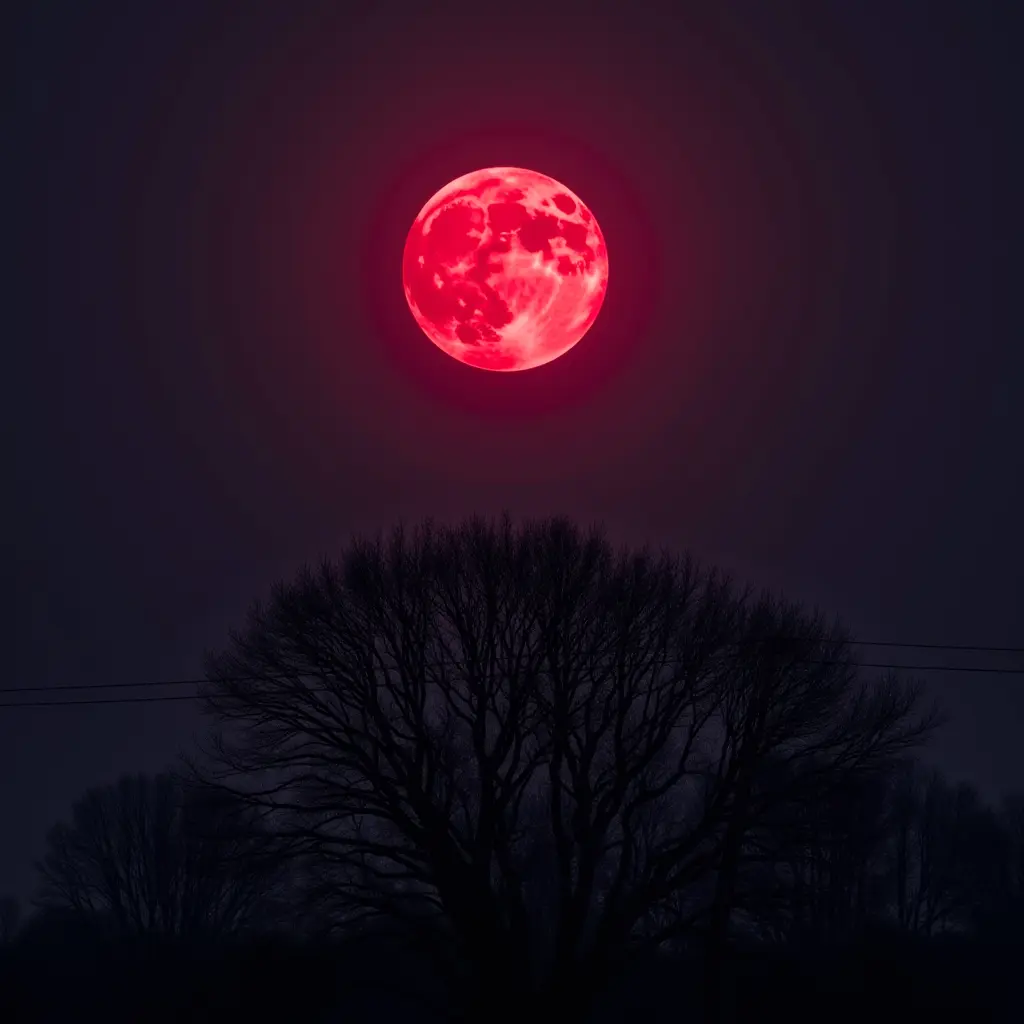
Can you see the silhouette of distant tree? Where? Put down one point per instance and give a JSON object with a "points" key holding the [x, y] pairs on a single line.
{"points": [[148, 856], [10, 917], [534, 754], [824, 876], [1003, 911], [803, 739], [908, 849], [952, 856]]}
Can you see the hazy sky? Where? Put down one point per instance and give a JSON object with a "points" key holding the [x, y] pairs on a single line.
{"points": [[806, 368]]}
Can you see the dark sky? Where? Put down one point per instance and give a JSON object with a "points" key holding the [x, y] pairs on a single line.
{"points": [[807, 368]]}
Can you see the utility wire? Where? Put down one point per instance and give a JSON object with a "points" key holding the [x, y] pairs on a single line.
{"points": [[149, 699], [156, 683], [976, 648], [159, 698]]}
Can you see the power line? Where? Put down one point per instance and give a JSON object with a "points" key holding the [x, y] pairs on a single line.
{"points": [[156, 683], [148, 699], [159, 698], [976, 648]]}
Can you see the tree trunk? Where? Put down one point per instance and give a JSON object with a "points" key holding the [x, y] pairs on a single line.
{"points": [[567, 1005], [715, 994], [512, 1001]]}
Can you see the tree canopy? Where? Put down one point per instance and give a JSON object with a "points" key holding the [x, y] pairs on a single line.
{"points": [[533, 754]]}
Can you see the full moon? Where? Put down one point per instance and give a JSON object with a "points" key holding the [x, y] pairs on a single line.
{"points": [[505, 269]]}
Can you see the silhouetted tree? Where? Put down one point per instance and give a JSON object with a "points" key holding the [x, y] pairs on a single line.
{"points": [[1003, 910], [1012, 815], [952, 855], [824, 876], [147, 856], [907, 850], [802, 734], [528, 750], [10, 917]]}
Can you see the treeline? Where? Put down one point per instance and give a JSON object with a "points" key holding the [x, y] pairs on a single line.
{"points": [[479, 772]]}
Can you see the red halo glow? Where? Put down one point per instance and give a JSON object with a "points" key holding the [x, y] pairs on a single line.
{"points": [[505, 269]]}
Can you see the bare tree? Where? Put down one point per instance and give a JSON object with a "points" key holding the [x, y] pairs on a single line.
{"points": [[146, 857], [526, 749], [823, 875], [1003, 908], [801, 730], [952, 856], [10, 918], [1012, 816]]}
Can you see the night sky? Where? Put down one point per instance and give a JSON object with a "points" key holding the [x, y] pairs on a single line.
{"points": [[807, 368]]}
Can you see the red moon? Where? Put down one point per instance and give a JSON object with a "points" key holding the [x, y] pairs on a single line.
{"points": [[505, 269]]}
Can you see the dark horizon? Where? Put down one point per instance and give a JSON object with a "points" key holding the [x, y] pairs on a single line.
{"points": [[804, 371], [463, 772]]}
